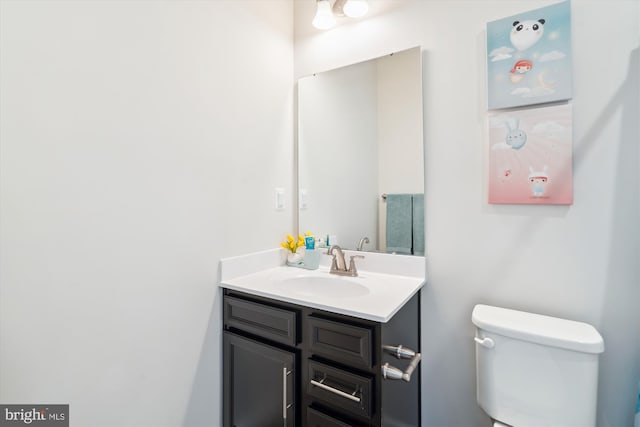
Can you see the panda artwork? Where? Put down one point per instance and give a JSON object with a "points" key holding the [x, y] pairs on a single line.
{"points": [[526, 33], [529, 57]]}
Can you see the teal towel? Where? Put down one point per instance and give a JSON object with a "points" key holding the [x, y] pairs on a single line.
{"points": [[636, 422], [637, 418], [418, 224], [399, 223]]}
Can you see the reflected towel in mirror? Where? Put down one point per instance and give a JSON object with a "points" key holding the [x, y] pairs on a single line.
{"points": [[399, 223], [418, 224]]}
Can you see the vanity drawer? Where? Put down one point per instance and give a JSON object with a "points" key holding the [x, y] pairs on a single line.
{"points": [[342, 342], [316, 418], [341, 389], [266, 321]]}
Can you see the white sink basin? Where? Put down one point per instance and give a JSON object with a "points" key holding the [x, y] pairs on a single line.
{"points": [[331, 286], [384, 284]]}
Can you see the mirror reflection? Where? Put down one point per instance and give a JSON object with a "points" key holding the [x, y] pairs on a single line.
{"points": [[360, 155]]}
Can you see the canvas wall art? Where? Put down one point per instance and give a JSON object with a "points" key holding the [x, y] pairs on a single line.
{"points": [[530, 156], [529, 57]]}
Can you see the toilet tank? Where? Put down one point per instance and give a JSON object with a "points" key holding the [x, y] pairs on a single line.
{"points": [[535, 370]]}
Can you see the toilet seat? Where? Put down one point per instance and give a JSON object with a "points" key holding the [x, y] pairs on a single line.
{"points": [[497, 423]]}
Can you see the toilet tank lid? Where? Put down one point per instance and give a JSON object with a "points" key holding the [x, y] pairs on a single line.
{"points": [[537, 328]]}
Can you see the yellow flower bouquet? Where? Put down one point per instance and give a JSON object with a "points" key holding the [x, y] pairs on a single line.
{"points": [[298, 258], [291, 244]]}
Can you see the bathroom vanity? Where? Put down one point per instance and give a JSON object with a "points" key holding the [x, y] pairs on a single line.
{"points": [[291, 358], [309, 348]]}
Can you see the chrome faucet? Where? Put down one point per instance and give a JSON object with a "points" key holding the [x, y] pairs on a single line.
{"points": [[339, 265], [362, 242]]}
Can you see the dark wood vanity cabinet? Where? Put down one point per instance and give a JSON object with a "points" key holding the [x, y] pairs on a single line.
{"points": [[289, 365]]}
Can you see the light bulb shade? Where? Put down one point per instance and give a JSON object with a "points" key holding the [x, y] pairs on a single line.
{"points": [[356, 8], [324, 18]]}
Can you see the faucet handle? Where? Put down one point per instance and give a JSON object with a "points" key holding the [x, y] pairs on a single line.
{"points": [[330, 250], [352, 265]]}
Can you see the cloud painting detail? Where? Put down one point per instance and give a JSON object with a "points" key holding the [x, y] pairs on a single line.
{"points": [[529, 57]]}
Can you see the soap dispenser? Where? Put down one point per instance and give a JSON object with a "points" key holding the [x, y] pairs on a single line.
{"points": [[311, 259]]}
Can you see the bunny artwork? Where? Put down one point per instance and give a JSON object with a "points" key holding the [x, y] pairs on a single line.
{"points": [[516, 138], [538, 181]]}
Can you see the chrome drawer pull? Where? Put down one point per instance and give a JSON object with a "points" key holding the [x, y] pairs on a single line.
{"points": [[335, 391]]}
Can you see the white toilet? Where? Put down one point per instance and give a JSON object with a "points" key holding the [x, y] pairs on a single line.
{"points": [[534, 370]]}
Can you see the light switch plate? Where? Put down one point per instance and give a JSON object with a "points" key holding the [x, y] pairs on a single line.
{"points": [[279, 192], [303, 198]]}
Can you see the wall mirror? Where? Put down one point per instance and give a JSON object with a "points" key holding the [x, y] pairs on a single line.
{"points": [[361, 154]]}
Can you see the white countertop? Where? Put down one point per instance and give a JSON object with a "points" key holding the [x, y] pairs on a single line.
{"points": [[384, 284]]}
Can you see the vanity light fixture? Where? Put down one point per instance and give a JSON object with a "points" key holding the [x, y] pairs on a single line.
{"points": [[325, 14], [356, 8], [324, 18]]}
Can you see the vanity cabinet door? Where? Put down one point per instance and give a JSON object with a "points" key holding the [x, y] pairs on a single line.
{"points": [[259, 384]]}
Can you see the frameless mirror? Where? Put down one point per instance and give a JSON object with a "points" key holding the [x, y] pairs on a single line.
{"points": [[360, 145]]}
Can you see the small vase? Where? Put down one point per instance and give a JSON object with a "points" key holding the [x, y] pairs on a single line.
{"points": [[294, 258]]}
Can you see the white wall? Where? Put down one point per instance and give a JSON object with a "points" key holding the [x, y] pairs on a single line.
{"points": [[579, 261], [141, 141]]}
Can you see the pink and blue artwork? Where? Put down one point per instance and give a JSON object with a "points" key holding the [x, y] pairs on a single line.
{"points": [[530, 156], [529, 57]]}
